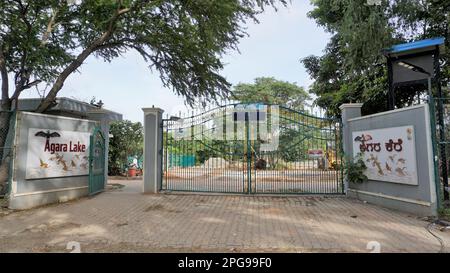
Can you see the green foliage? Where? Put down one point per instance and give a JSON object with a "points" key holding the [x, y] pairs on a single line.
{"points": [[207, 149], [353, 68], [127, 141], [354, 169], [47, 40], [444, 213], [278, 166], [271, 91], [274, 92], [335, 166]]}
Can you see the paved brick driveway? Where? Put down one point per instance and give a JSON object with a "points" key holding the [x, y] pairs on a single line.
{"points": [[123, 220]]}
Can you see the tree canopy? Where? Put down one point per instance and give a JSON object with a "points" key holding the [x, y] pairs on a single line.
{"points": [[271, 91], [43, 42], [352, 68], [127, 140]]}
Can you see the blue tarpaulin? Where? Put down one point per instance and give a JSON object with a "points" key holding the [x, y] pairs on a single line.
{"points": [[176, 160]]}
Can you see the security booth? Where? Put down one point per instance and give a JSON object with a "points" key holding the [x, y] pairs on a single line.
{"points": [[59, 155], [414, 65], [414, 70]]}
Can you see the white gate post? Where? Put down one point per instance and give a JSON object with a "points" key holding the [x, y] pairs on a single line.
{"points": [[152, 150], [348, 111]]}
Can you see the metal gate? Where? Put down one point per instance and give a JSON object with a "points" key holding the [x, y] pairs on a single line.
{"points": [[96, 162], [252, 148]]}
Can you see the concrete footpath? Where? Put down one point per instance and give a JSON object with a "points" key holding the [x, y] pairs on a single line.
{"points": [[124, 220]]}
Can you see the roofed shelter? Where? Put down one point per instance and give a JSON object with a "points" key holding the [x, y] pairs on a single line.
{"points": [[415, 63]]}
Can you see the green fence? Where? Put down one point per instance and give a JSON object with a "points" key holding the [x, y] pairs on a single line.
{"points": [[440, 131]]}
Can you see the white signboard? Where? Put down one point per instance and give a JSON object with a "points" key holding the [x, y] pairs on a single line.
{"points": [[315, 153], [55, 153], [389, 154]]}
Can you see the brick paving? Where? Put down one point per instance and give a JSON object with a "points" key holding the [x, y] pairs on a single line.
{"points": [[124, 220]]}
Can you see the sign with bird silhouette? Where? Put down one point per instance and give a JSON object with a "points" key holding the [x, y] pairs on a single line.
{"points": [[55, 153], [389, 154]]}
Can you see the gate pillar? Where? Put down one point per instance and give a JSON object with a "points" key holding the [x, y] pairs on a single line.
{"points": [[348, 111], [152, 150]]}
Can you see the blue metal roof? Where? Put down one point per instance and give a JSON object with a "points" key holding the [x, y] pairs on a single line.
{"points": [[416, 45]]}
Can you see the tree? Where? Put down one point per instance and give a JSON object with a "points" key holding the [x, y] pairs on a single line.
{"points": [[271, 91], [43, 42], [290, 95], [353, 68], [127, 140]]}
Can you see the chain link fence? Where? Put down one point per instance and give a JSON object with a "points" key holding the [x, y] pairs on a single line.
{"points": [[6, 152], [440, 122]]}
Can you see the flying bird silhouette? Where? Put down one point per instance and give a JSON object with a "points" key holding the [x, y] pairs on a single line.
{"points": [[367, 137], [358, 138], [401, 171], [388, 167], [401, 160], [363, 138], [391, 157], [47, 134], [43, 164]]}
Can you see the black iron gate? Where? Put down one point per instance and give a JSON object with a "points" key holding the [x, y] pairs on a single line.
{"points": [[252, 148]]}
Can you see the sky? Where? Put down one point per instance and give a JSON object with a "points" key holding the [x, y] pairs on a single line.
{"points": [[273, 49]]}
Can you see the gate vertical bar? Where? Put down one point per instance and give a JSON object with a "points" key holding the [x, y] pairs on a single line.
{"points": [[249, 151], [340, 148], [163, 156]]}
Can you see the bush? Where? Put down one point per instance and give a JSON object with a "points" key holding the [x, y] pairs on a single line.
{"points": [[354, 169]]}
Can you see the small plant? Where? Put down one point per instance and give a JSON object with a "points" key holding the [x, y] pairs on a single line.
{"points": [[335, 166], [354, 169], [444, 213]]}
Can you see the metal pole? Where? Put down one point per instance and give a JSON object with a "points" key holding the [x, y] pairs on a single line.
{"points": [[429, 87], [391, 96], [248, 149]]}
